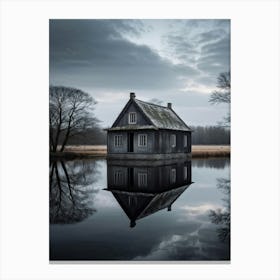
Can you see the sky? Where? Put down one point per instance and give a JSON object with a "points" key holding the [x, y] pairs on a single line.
{"points": [[175, 61]]}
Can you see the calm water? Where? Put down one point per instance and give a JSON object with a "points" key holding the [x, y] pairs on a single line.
{"points": [[111, 211]]}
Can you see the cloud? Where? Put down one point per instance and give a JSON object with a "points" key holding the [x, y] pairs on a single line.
{"points": [[94, 54], [215, 56], [195, 87], [201, 244], [211, 35], [109, 58], [131, 26], [198, 210], [204, 45]]}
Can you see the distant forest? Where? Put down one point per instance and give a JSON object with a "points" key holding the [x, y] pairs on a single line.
{"points": [[94, 136], [210, 135], [202, 135]]}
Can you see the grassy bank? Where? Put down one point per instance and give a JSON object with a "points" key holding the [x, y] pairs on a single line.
{"points": [[210, 151], [99, 151]]}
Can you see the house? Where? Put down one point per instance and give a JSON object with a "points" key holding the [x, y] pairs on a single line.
{"points": [[148, 131], [142, 190]]}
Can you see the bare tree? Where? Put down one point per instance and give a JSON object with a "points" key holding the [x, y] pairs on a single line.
{"points": [[222, 94], [221, 217], [72, 190], [71, 113]]}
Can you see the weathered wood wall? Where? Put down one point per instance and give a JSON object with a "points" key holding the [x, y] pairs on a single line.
{"points": [[158, 141]]}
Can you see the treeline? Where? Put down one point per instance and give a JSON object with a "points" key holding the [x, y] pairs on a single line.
{"points": [[210, 135], [202, 135], [94, 136]]}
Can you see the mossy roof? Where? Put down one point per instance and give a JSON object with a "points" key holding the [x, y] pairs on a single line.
{"points": [[162, 117], [146, 203]]}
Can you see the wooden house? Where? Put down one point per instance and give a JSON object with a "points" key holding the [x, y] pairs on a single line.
{"points": [[142, 190], [148, 131]]}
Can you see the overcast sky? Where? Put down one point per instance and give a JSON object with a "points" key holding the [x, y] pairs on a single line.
{"points": [[175, 61]]}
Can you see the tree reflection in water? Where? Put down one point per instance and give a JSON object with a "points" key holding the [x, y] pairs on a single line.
{"points": [[71, 190], [221, 217], [216, 163]]}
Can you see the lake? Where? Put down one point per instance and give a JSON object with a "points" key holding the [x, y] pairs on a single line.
{"points": [[103, 210]]}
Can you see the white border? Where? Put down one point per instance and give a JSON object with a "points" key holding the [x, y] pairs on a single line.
{"points": [[255, 138]]}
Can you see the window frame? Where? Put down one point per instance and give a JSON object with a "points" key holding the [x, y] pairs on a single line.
{"points": [[142, 179], [173, 143], [173, 176], [130, 114], [185, 141], [118, 177], [185, 173], [118, 140], [145, 139]]}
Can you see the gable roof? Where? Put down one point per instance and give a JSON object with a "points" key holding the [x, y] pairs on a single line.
{"points": [[146, 203], [162, 117], [158, 116]]}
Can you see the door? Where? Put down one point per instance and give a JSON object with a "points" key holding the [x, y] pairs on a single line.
{"points": [[130, 179], [130, 145]]}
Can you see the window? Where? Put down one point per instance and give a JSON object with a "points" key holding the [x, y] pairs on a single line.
{"points": [[118, 141], [132, 118], [173, 140], [142, 140], [118, 178], [142, 179], [173, 176], [185, 172], [185, 141]]}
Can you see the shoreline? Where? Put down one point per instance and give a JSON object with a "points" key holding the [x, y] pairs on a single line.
{"points": [[100, 151]]}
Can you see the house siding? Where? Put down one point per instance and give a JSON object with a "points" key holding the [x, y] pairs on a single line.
{"points": [[140, 119], [165, 142], [150, 142], [149, 148], [111, 145], [158, 177], [157, 142]]}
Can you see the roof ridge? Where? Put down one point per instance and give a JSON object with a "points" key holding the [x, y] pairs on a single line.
{"points": [[149, 103]]}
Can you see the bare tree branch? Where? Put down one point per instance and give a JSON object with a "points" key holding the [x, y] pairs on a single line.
{"points": [[71, 112], [72, 190], [222, 95]]}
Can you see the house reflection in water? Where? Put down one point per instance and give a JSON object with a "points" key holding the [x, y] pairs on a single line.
{"points": [[143, 188]]}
